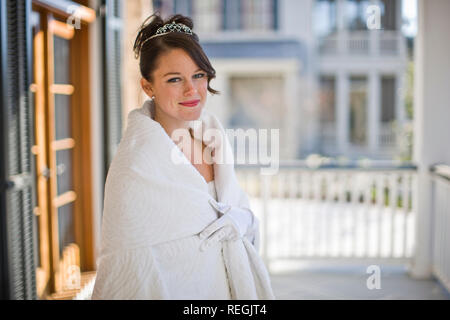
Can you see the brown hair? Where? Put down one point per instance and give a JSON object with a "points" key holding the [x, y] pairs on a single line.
{"points": [[149, 50]]}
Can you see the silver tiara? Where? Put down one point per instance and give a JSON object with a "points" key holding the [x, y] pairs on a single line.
{"points": [[168, 28]]}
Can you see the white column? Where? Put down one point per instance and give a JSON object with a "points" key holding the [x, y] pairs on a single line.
{"points": [[373, 114], [342, 116], [431, 119]]}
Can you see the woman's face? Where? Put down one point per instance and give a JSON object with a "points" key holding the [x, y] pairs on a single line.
{"points": [[179, 87]]}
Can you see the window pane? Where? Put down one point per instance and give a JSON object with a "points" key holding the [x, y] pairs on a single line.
{"points": [[66, 226], [388, 14], [232, 14], [258, 15], [207, 15], [325, 17], [358, 110], [63, 125], [64, 171], [356, 14], [327, 98], [387, 99], [61, 60]]}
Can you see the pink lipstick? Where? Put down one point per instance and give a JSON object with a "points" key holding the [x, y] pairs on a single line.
{"points": [[191, 103]]}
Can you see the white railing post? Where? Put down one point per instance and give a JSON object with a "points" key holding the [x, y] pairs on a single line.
{"points": [[265, 195], [367, 212], [393, 198], [355, 204]]}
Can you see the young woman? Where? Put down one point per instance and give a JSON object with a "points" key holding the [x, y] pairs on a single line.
{"points": [[176, 226]]}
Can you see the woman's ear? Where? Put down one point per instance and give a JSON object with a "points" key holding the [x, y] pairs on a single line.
{"points": [[147, 87]]}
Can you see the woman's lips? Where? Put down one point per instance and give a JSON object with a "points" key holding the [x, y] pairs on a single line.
{"points": [[191, 103]]}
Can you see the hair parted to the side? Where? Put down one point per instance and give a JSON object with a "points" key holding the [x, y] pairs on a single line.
{"points": [[149, 50]]}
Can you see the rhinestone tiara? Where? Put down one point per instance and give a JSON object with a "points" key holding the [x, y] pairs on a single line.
{"points": [[168, 28]]}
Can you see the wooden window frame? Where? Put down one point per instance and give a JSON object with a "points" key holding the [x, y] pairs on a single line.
{"points": [[45, 89]]}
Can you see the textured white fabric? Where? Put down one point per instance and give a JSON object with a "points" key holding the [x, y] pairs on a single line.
{"points": [[212, 189], [153, 212]]}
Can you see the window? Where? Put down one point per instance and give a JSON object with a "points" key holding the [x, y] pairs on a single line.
{"points": [[358, 110], [207, 15], [325, 17], [327, 105], [214, 15], [355, 11], [327, 100], [258, 15], [388, 14], [387, 99], [232, 15]]}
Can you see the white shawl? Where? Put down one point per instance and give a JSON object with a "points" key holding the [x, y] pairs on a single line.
{"points": [[153, 212]]}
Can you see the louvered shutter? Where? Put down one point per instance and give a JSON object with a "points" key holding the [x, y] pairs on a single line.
{"points": [[17, 164]]}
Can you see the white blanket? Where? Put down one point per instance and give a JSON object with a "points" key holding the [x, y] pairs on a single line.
{"points": [[153, 212]]}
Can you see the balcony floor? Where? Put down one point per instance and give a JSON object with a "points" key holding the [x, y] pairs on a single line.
{"points": [[349, 283]]}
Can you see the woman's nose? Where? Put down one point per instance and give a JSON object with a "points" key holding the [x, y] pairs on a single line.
{"points": [[190, 88]]}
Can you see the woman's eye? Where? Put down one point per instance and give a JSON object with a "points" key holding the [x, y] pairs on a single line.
{"points": [[199, 75], [173, 80]]}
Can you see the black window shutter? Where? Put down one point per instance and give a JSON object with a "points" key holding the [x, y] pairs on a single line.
{"points": [[17, 189], [112, 90]]}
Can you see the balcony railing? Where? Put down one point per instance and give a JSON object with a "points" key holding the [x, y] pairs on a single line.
{"points": [[376, 42], [387, 137], [352, 211], [441, 217]]}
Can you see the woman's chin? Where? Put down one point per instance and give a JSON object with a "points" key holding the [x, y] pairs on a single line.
{"points": [[192, 113]]}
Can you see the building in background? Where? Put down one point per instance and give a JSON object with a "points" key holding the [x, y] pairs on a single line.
{"points": [[361, 74], [311, 68]]}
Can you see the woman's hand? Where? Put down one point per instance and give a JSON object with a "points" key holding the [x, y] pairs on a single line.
{"points": [[234, 223]]}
